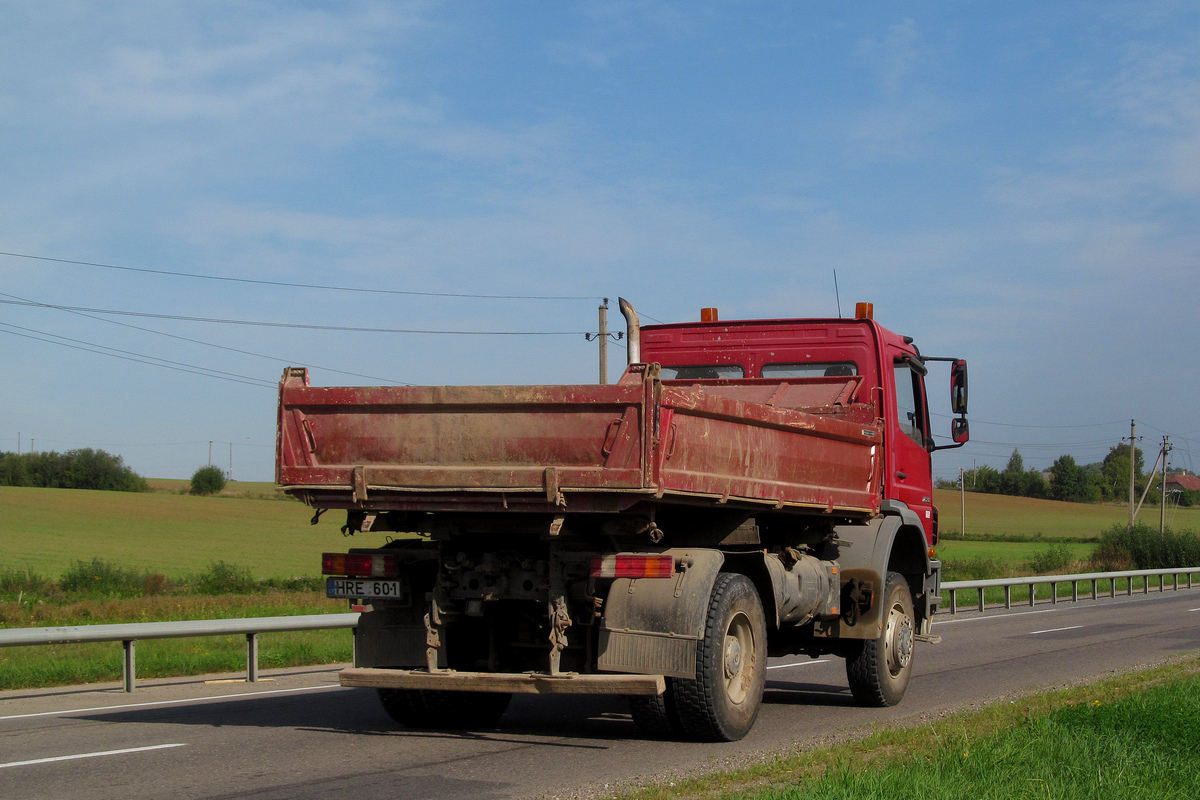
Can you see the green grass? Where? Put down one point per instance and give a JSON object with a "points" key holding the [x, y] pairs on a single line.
{"points": [[1131, 736], [993, 515], [45, 530], [1006, 552], [1142, 746]]}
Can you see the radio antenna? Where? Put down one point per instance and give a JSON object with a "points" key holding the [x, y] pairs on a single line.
{"points": [[836, 295]]}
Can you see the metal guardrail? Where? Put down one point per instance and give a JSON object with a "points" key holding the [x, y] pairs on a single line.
{"points": [[129, 634], [1094, 578]]}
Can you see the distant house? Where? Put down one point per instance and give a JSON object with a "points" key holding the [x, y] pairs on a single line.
{"points": [[1187, 483]]}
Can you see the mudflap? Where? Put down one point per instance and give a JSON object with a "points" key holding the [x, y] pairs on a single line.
{"points": [[651, 625]]}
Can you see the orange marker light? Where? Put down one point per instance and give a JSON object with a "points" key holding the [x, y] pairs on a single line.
{"points": [[864, 311], [708, 315]]}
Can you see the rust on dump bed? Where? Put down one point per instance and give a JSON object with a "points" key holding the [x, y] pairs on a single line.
{"points": [[803, 444]]}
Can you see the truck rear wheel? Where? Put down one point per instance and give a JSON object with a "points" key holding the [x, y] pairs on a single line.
{"points": [[424, 708], [721, 704], [879, 669], [656, 715]]}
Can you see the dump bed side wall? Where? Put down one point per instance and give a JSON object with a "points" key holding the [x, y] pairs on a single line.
{"points": [[636, 438]]}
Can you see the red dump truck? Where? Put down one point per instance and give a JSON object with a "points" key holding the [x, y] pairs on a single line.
{"points": [[747, 489]]}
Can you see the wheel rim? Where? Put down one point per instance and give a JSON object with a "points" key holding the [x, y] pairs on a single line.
{"points": [[899, 639], [738, 658]]}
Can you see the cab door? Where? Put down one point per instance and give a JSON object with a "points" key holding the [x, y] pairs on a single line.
{"points": [[912, 474]]}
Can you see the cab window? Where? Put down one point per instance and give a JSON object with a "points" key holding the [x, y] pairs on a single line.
{"points": [[703, 372], [809, 369], [910, 408]]}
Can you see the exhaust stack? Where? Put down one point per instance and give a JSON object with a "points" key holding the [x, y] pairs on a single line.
{"points": [[633, 331]]}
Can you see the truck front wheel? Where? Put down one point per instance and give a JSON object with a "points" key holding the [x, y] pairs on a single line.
{"points": [[423, 708], [721, 704], [879, 669]]}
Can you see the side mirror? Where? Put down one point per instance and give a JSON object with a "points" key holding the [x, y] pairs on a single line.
{"points": [[960, 431], [958, 390]]}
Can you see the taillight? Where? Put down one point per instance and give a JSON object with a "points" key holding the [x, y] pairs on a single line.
{"points": [[632, 566], [358, 565]]}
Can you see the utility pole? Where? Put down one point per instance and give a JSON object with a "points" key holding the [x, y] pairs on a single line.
{"points": [[18, 443], [230, 461], [1162, 506], [603, 337], [604, 342], [962, 494], [210, 452], [1132, 468]]}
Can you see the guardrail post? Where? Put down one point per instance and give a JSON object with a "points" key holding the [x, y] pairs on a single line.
{"points": [[1074, 591], [982, 599], [1008, 596], [1032, 594], [1093, 588], [1053, 592], [252, 657], [127, 665]]}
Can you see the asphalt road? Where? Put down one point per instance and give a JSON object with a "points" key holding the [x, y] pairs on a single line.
{"points": [[299, 735]]}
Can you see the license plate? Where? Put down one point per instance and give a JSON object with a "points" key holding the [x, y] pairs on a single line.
{"points": [[364, 588]]}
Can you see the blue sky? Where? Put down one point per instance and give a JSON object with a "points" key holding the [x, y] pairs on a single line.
{"points": [[1014, 183]]}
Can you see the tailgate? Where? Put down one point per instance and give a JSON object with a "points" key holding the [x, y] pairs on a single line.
{"points": [[460, 438]]}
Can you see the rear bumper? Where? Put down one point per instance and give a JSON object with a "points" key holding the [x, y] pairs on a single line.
{"points": [[516, 682]]}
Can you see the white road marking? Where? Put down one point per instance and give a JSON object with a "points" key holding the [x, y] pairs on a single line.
{"points": [[166, 702], [798, 664], [91, 755], [1194, 609], [1056, 630], [996, 614]]}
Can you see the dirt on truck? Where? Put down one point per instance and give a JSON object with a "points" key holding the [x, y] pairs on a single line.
{"points": [[746, 489]]}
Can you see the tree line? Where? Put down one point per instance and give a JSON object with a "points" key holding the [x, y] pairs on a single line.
{"points": [[74, 469], [1106, 480]]}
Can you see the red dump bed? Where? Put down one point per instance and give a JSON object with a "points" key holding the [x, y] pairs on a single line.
{"points": [[806, 444]]}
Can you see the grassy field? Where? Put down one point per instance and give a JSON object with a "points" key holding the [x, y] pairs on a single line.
{"points": [[999, 515], [44, 530]]}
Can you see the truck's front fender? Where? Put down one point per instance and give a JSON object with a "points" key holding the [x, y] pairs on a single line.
{"points": [[894, 542]]}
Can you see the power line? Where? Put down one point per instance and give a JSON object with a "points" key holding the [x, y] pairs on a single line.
{"points": [[1045, 445], [289, 325], [218, 346], [1033, 427], [292, 285], [139, 358]]}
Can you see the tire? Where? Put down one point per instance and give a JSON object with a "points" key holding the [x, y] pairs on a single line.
{"points": [[879, 669], [723, 701], [656, 715], [424, 708]]}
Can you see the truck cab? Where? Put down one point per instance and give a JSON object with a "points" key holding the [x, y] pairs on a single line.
{"points": [[889, 367]]}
